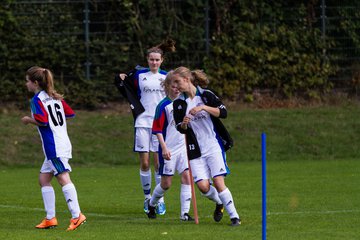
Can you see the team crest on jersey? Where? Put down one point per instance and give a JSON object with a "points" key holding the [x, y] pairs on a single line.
{"points": [[144, 79], [199, 116]]}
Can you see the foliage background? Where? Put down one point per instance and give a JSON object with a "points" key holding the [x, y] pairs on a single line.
{"points": [[288, 48]]}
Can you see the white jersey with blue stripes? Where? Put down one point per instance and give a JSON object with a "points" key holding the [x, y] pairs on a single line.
{"points": [[150, 93]]}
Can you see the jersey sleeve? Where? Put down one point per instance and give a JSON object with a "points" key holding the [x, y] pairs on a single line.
{"points": [[135, 82], [69, 113], [179, 113], [214, 101], [39, 112], [159, 119]]}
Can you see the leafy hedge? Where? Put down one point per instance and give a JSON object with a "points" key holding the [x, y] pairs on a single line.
{"points": [[253, 44], [255, 54]]}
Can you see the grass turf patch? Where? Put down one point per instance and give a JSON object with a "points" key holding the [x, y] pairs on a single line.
{"points": [[306, 200]]}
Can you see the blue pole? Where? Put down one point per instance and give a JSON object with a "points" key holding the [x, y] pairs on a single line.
{"points": [[263, 161]]}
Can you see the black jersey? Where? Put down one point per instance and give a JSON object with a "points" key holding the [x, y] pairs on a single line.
{"points": [[128, 91]]}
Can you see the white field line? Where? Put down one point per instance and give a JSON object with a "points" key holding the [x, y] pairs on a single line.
{"points": [[315, 212], [87, 213], [122, 216]]}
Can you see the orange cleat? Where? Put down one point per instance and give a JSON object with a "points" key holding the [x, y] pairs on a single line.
{"points": [[46, 223], [76, 222]]}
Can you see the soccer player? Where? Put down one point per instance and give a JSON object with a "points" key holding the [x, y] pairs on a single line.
{"points": [[172, 154], [196, 113], [49, 112], [142, 88]]}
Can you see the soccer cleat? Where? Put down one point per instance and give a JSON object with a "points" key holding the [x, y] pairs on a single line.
{"points": [[46, 223], [161, 208], [186, 218], [76, 222], [219, 212], [146, 208], [151, 213], [235, 222]]}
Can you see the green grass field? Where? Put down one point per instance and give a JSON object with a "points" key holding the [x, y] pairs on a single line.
{"points": [[313, 178], [306, 200]]}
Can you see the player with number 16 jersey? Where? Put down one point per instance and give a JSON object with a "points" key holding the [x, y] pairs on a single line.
{"points": [[51, 113], [48, 113]]}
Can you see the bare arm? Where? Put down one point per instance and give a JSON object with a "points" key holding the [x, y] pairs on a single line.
{"points": [[214, 111], [26, 120]]}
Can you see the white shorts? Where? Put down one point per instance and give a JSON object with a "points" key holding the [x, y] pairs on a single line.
{"points": [[178, 163], [55, 166], [208, 167], [145, 141]]}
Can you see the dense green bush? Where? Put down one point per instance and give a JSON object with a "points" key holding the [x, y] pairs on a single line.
{"points": [[251, 44], [252, 55]]}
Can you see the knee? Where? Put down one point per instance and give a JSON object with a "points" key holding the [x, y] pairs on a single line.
{"points": [[203, 186], [185, 178], [43, 183], [219, 184], [165, 184], [144, 163], [45, 179], [63, 178]]}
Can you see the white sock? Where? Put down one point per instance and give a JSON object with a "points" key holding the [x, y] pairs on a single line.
{"points": [[185, 198], [145, 178], [213, 195], [157, 181], [228, 201], [157, 177], [48, 195], [158, 193], [70, 195]]}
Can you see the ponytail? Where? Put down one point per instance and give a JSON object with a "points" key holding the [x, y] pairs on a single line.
{"points": [[45, 79], [197, 77], [167, 45], [200, 78]]}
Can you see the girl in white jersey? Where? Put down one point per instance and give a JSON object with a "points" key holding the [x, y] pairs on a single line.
{"points": [[197, 112], [144, 91], [172, 154], [49, 113]]}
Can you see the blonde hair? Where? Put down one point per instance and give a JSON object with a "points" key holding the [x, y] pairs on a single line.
{"points": [[166, 84], [197, 76], [45, 79]]}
